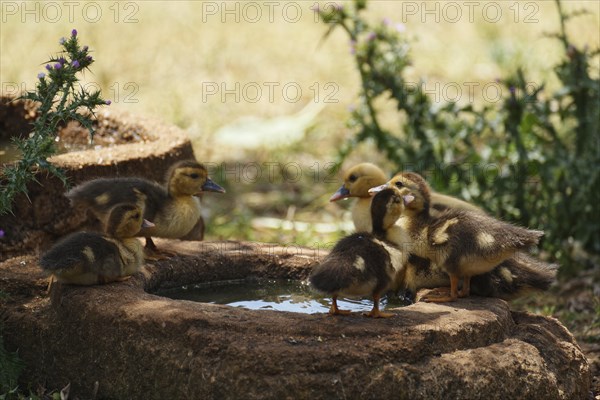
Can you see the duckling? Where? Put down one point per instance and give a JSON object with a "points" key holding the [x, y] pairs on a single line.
{"points": [[362, 177], [174, 209], [515, 277], [364, 264], [357, 182], [461, 242], [89, 258]]}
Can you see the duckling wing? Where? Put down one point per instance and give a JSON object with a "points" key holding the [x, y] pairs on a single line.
{"points": [[477, 233], [86, 251], [102, 194]]}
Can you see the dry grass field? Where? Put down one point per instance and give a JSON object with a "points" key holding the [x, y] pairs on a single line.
{"points": [[202, 65]]}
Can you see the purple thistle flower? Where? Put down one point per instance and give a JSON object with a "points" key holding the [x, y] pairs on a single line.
{"points": [[85, 48], [1, 233], [62, 40], [62, 61], [74, 32], [48, 67], [512, 90], [75, 64], [89, 58], [108, 102], [57, 66], [400, 27], [41, 75]]}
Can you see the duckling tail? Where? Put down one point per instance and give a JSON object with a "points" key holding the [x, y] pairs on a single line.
{"points": [[326, 278], [515, 277]]}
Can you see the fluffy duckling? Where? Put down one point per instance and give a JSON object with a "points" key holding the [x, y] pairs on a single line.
{"points": [[89, 258], [362, 177], [364, 264], [357, 182], [174, 209], [460, 242], [515, 277]]}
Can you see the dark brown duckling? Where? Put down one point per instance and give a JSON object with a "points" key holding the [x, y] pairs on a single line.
{"points": [[515, 277], [89, 258], [460, 242], [174, 209], [364, 264]]}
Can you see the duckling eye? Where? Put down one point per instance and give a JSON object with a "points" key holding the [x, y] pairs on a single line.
{"points": [[194, 176], [352, 178], [399, 184]]}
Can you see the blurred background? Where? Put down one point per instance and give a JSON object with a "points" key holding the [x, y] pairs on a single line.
{"points": [[257, 82], [266, 96]]}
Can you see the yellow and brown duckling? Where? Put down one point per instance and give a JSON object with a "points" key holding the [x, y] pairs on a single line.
{"points": [[364, 264], [364, 176], [460, 242], [515, 277], [357, 182], [174, 209], [89, 258]]}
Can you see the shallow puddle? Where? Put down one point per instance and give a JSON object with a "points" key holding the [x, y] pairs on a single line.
{"points": [[279, 295]]}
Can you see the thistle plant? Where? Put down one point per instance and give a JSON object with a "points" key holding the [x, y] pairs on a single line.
{"points": [[60, 99], [531, 158]]}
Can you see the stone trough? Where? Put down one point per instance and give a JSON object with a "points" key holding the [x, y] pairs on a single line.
{"points": [[44, 216], [120, 341]]}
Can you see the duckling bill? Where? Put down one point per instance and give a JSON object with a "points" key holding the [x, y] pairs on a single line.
{"points": [[89, 258], [363, 264]]}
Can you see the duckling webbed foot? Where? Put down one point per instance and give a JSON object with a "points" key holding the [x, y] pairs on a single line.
{"points": [[334, 310], [466, 287], [153, 253], [50, 284], [427, 294], [450, 295], [375, 312]]}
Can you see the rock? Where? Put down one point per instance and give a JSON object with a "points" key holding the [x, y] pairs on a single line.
{"points": [[45, 214], [137, 345]]}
